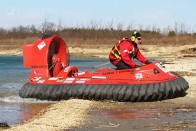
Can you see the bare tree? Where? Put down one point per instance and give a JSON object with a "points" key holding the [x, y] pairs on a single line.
{"points": [[119, 26], [130, 26], [48, 26], [60, 27]]}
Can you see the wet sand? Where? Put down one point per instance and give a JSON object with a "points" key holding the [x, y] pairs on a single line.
{"points": [[172, 114]]}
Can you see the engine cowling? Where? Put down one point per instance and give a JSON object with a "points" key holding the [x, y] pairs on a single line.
{"points": [[46, 57]]}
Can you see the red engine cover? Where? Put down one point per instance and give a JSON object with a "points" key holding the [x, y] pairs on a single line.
{"points": [[38, 56]]}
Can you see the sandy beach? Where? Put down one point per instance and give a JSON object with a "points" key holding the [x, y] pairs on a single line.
{"points": [[172, 114]]}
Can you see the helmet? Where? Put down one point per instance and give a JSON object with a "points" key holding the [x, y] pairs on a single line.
{"points": [[134, 35]]}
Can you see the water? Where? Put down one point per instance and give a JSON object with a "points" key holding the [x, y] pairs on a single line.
{"points": [[13, 109]]}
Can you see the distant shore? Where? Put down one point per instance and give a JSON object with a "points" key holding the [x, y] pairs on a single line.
{"points": [[151, 51]]}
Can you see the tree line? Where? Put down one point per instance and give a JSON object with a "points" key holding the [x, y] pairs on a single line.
{"points": [[151, 36]]}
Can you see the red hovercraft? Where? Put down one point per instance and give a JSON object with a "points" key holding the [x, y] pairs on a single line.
{"points": [[51, 78]]}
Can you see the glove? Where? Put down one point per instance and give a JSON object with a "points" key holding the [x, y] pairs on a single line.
{"points": [[136, 66], [148, 62]]}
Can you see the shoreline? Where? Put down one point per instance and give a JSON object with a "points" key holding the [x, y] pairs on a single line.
{"points": [[149, 51], [79, 114]]}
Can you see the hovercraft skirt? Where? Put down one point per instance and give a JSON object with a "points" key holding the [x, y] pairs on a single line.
{"points": [[115, 92]]}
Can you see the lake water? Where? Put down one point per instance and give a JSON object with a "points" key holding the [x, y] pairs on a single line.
{"points": [[13, 109]]}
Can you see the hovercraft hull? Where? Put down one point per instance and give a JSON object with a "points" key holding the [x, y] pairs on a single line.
{"points": [[51, 78], [115, 92]]}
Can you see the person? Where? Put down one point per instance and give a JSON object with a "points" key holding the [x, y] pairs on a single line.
{"points": [[121, 54]]}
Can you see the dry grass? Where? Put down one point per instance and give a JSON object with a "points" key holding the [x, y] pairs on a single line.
{"points": [[12, 41]]}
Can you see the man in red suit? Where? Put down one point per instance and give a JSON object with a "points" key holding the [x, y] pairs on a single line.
{"points": [[121, 54]]}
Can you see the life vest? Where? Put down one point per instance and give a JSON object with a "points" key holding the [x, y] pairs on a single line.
{"points": [[116, 49]]}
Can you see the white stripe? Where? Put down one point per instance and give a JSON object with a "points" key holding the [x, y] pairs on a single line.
{"points": [[126, 51], [70, 79], [80, 81], [41, 81], [85, 79], [67, 81], [36, 78], [81, 73], [53, 78], [101, 77]]}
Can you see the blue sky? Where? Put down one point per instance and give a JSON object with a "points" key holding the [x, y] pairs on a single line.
{"points": [[100, 13]]}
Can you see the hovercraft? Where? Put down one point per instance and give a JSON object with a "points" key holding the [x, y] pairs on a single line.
{"points": [[51, 78]]}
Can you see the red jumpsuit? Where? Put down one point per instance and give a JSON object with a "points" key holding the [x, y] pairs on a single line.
{"points": [[124, 50]]}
